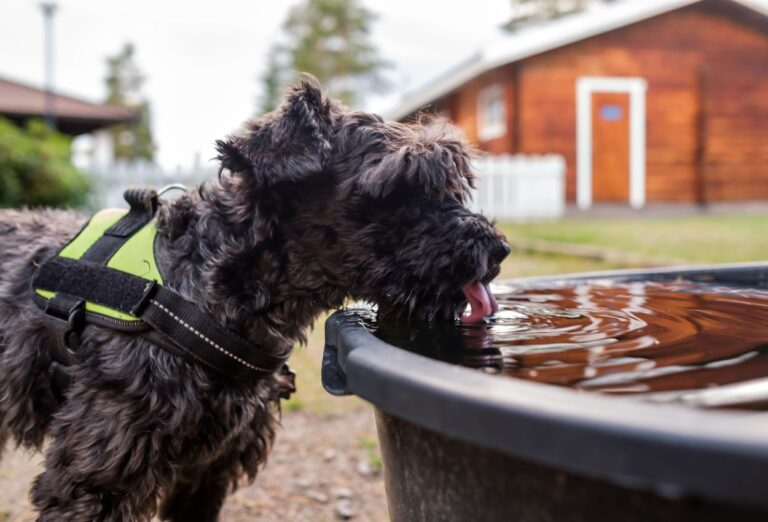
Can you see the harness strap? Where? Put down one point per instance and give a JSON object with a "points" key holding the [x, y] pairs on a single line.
{"points": [[193, 331], [143, 206], [66, 312]]}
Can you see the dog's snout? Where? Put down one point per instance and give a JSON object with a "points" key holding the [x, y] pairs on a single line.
{"points": [[500, 251]]}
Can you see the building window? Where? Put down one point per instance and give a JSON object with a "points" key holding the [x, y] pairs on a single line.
{"points": [[491, 113]]}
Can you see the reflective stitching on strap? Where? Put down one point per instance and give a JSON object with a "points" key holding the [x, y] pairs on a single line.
{"points": [[204, 338]]}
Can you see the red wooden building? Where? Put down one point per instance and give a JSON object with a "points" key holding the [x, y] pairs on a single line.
{"points": [[648, 100]]}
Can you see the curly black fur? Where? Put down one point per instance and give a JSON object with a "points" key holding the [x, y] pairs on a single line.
{"points": [[314, 205]]}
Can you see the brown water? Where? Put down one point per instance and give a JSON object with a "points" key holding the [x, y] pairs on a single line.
{"points": [[682, 342]]}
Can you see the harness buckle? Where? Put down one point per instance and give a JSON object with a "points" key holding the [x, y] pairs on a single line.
{"points": [[76, 319], [67, 320], [62, 306], [75, 325]]}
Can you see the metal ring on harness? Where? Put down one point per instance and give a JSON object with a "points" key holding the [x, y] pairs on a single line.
{"points": [[172, 186]]}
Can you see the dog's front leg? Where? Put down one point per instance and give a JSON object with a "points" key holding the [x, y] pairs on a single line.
{"points": [[107, 461], [199, 500]]}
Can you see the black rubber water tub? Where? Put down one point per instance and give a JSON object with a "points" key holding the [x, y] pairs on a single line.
{"points": [[461, 445]]}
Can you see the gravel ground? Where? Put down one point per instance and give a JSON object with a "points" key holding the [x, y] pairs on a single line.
{"points": [[323, 468]]}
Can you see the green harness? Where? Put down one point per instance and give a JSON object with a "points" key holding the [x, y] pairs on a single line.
{"points": [[136, 256], [108, 276]]}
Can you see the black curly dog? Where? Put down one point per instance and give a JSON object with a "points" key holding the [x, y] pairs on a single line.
{"points": [[314, 205]]}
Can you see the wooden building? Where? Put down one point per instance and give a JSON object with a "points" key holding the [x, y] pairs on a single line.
{"points": [[20, 102], [648, 100]]}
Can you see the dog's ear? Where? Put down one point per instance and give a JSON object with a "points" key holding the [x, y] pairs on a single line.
{"points": [[286, 145], [432, 160]]}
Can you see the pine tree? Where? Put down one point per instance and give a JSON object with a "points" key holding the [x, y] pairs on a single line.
{"points": [[274, 79], [331, 40], [526, 11], [131, 141]]}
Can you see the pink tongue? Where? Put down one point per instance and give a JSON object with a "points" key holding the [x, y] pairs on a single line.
{"points": [[481, 302], [494, 304]]}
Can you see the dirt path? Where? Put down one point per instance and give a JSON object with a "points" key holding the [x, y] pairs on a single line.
{"points": [[323, 468]]}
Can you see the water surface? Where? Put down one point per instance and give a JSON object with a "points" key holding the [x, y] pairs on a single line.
{"points": [[685, 342]]}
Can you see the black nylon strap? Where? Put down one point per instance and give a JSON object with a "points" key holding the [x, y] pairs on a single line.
{"points": [[166, 311], [205, 340], [103, 249], [143, 203], [92, 282]]}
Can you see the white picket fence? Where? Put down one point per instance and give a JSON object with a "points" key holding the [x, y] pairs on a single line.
{"points": [[520, 188], [509, 188]]}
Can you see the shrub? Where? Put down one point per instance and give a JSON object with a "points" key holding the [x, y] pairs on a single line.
{"points": [[35, 168]]}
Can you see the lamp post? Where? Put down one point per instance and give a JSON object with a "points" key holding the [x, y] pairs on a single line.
{"points": [[49, 9]]}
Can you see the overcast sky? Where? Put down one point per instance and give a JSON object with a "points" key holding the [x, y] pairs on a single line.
{"points": [[203, 59]]}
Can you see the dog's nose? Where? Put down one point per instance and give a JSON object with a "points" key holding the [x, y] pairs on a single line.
{"points": [[500, 251]]}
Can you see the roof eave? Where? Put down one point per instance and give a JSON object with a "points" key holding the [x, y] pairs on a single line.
{"points": [[74, 125]]}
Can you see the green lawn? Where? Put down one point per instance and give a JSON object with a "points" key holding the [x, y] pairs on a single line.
{"points": [[699, 239]]}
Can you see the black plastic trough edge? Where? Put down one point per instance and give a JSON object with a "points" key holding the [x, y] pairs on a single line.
{"points": [[672, 450]]}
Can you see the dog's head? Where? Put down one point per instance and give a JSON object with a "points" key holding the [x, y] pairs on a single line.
{"points": [[368, 209]]}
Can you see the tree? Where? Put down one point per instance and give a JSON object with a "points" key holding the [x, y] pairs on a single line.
{"points": [[331, 40], [526, 11], [275, 78], [131, 141], [35, 168]]}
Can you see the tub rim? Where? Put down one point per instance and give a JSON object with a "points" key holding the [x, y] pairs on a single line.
{"points": [[669, 449]]}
